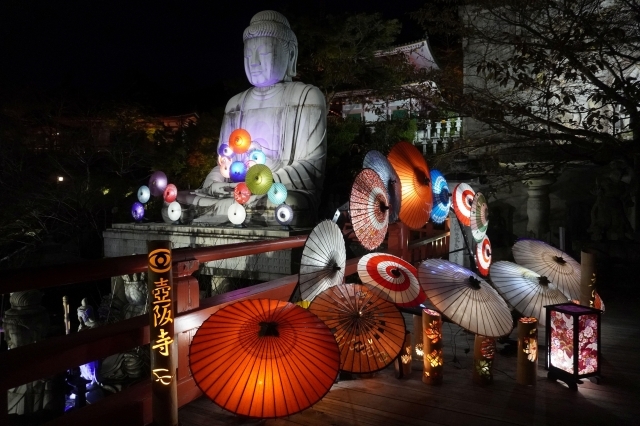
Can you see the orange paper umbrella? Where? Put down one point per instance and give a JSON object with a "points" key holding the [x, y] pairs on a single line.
{"points": [[264, 358], [369, 330], [240, 141], [323, 260], [392, 278], [417, 197], [369, 208]]}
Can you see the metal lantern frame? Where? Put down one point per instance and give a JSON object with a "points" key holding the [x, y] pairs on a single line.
{"points": [[575, 312]]}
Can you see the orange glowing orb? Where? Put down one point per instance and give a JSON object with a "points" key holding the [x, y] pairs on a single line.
{"points": [[239, 141]]}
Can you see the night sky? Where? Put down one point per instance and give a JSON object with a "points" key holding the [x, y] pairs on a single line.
{"points": [[182, 46]]}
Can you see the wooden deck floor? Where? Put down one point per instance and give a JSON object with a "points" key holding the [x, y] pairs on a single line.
{"points": [[385, 400]]}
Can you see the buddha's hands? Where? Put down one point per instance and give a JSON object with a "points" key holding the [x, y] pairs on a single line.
{"points": [[221, 189]]}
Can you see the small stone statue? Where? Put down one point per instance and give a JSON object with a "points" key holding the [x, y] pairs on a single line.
{"points": [[85, 316], [286, 121]]}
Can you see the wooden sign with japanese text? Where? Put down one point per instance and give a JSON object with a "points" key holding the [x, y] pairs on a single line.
{"points": [[164, 397]]}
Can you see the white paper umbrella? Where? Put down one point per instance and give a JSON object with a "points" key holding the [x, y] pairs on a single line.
{"points": [[550, 262], [369, 209], [483, 256], [525, 290], [465, 298], [323, 260], [377, 162], [462, 199], [479, 217], [237, 214], [392, 278]]}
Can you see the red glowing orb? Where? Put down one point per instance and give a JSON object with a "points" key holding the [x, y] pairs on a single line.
{"points": [[241, 193], [240, 141], [170, 193]]}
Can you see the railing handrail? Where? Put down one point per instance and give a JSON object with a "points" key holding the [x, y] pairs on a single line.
{"points": [[71, 273]]}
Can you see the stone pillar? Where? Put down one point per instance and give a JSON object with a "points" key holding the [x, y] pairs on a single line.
{"points": [[538, 207]]}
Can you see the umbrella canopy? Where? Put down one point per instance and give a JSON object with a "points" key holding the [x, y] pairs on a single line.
{"points": [[236, 214], [462, 198], [479, 217], [392, 278], [369, 330], [553, 263], [483, 256], [323, 260], [277, 193], [441, 197], [465, 298], [241, 193], [525, 290], [264, 358], [369, 208], [259, 179], [417, 198], [377, 162]]}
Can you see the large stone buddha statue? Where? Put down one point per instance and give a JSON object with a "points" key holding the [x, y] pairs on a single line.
{"points": [[286, 121]]}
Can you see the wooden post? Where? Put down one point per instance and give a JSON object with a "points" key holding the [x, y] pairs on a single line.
{"points": [[527, 368], [432, 346], [587, 278], [398, 241], [164, 391], [484, 351]]}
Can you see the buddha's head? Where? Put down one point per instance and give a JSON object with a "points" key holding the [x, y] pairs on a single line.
{"points": [[270, 49]]}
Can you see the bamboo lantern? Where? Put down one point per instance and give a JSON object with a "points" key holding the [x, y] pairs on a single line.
{"points": [[484, 350], [402, 363], [417, 336], [587, 279], [432, 346], [527, 369]]}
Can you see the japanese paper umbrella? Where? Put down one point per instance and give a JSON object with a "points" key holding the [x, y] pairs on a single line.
{"points": [[462, 198], [377, 162], [553, 263], [369, 330], [323, 260], [465, 298], [259, 179], [264, 358], [479, 217], [441, 197], [525, 290], [415, 180], [369, 209], [483, 256], [391, 278]]}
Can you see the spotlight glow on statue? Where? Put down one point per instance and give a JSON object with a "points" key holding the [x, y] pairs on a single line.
{"points": [[237, 171], [170, 193], [144, 194], [240, 141], [157, 183]]}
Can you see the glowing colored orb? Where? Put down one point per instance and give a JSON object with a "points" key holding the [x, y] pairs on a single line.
{"points": [[258, 156], [259, 179], [144, 194], [174, 211], [236, 214], [137, 211], [225, 150], [277, 193], [223, 160], [157, 183], [250, 163], [238, 171], [240, 141], [224, 170], [241, 193], [170, 193]]}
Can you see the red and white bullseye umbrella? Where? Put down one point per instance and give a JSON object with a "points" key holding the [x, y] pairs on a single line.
{"points": [[462, 198], [483, 256], [393, 278], [479, 217]]}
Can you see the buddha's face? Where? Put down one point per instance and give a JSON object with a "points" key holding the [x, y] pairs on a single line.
{"points": [[265, 61]]}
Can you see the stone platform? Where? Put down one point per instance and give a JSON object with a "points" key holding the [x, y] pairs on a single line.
{"points": [[125, 239]]}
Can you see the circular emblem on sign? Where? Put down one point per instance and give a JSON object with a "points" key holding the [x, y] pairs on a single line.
{"points": [[160, 260]]}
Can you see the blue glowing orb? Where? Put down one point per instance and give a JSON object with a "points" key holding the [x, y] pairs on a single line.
{"points": [[258, 156], [237, 171], [225, 149], [144, 194], [137, 211]]}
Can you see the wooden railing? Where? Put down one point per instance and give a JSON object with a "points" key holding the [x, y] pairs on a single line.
{"points": [[133, 406]]}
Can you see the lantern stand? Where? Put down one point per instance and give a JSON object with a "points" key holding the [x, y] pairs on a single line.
{"points": [[573, 343], [402, 363], [527, 367]]}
